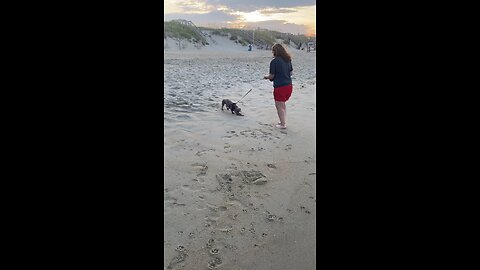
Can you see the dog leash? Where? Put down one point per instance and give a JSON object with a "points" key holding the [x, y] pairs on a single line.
{"points": [[244, 95]]}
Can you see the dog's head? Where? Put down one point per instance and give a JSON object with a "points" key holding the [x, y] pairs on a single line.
{"points": [[237, 111]]}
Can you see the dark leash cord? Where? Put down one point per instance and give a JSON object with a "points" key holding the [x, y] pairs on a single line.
{"points": [[244, 95]]}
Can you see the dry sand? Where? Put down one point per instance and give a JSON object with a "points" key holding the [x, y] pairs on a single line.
{"points": [[238, 193]]}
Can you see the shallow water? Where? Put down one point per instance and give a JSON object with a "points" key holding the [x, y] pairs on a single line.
{"points": [[195, 84]]}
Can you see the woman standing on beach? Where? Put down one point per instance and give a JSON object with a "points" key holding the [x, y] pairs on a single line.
{"points": [[280, 73]]}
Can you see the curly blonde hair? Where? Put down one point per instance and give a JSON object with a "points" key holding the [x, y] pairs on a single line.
{"points": [[279, 51]]}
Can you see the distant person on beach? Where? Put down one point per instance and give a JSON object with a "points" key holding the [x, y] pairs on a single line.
{"points": [[280, 73]]}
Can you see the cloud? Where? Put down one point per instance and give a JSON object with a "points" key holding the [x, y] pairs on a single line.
{"points": [[277, 10], [210, 18], [283, 16], [252, 5], [189, 6], [280, 26]]}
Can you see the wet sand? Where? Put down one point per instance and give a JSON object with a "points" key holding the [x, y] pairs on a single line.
{"points": [[238, 193]]}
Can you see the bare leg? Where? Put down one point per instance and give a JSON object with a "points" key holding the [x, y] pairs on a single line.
{"points": [[281, 111], [278, 111]]}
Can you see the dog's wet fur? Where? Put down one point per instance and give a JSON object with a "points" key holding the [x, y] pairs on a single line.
{"points": [[231, 106]]}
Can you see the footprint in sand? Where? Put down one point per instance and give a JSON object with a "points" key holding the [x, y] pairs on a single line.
{"points": [[203, 152], [226, 229], [214, 251], [171, 201], [272, 218], [257, 133], [305, 210], [253, 177], [213, 264], [288, 147], [227, 148], [210, 243], [191, 188], [203, 168], [178, 258], [214, 212]]}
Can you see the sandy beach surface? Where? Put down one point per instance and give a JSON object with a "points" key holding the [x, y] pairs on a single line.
{"points": [[238, 192]]}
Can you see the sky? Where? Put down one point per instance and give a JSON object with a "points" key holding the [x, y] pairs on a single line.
{"points": [[294, 16]]}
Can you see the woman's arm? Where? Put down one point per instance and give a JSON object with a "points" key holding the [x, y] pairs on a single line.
{"points": [[269, 76], [271, 72]]}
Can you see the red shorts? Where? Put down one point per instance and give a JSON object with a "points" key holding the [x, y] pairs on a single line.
{"points": [[282, 93]]}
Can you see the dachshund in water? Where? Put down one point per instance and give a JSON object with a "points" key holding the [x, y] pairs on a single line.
{"points": [[231, 106]]}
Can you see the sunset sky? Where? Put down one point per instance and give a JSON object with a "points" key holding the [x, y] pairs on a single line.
{"points": [[280, 15]]}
